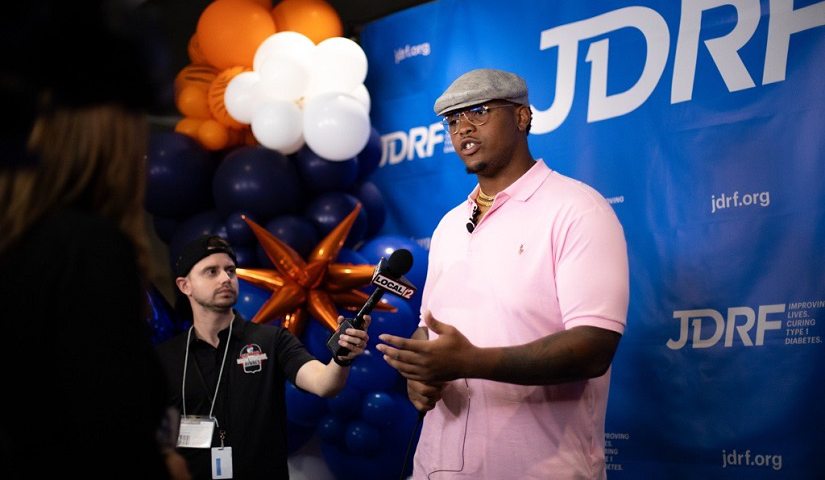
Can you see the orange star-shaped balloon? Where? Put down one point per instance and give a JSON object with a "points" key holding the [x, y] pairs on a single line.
{"points": [[314, 286]]}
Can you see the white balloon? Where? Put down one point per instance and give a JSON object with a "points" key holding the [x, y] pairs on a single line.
{"points": [[336, 127], [363, 96], [340, 65], [294, 147], [241, 96], [283, 78], [276, 124], [292, 44]]}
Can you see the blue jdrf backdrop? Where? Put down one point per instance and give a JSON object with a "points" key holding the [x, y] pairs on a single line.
{"points": [[703, 123]]}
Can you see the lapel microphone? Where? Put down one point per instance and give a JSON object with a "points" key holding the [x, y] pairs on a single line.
{"points": [[471, 223]]}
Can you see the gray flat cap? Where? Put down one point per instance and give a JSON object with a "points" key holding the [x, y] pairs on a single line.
{"points": [[479, 86]]}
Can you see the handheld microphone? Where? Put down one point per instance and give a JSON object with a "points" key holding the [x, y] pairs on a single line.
{"points": [[387, 277]]}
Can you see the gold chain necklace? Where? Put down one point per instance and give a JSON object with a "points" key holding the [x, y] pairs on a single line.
{"points": [[483, 199]]}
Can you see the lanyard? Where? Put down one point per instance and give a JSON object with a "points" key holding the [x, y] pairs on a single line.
{"points": [[220, 373]]}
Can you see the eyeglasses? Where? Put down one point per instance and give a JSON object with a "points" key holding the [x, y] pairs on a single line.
{"points": [[477, 115]]}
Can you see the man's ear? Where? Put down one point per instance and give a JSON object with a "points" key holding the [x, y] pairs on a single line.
{"points": [[524, 116], [183, 285]]}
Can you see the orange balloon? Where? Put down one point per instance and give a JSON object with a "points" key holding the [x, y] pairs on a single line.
{"points": [[216, 90], [315, 19], [189, 126], [195, 52], [195, 75], [230, 31], [267, 4], [191, 102], [213, 135], [301, 286]]}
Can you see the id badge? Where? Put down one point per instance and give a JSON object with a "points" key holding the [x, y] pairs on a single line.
{"points": [[196, 431], [221, 462]]}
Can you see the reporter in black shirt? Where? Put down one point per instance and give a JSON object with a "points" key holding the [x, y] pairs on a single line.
{"points": [[233, 371]]}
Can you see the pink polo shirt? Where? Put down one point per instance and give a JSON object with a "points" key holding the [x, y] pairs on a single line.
{"points": [[549, 255]]}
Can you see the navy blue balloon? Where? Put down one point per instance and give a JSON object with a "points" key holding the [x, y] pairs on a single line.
{"points": [[238, 232], [407, 414], [387, 461], [371, 373], [257, 180], [250, 299], [373, 202], [321, 175], [179, 176], [165, 227], [207, 222], [315, 337], [330, 209], [246, 257], [304, 409], [346, 404], [345, 465], [163, 322], [370, 156], [379, 409], [297, 232], [331, 430], [362, 438], [402, 323], [345, 255]]}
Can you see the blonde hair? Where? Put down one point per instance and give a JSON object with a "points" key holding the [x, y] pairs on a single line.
{"points": [[90, 158]]}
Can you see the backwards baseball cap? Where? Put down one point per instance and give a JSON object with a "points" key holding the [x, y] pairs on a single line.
{"points": [[198, 249], [479, 86]]}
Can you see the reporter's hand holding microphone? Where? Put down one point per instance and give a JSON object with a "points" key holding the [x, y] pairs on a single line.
{"points": [[350, 341]]}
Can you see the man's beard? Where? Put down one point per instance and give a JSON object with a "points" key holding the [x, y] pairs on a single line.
{"points": [[476, 169], [218, 306]]}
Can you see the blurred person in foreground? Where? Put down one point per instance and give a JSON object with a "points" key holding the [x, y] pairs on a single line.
{"points": [[85, 391], [523, 308]]}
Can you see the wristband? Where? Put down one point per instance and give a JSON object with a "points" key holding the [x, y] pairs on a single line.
{"points": [[343, 363]]}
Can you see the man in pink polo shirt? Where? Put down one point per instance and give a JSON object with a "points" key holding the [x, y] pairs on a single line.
{"points": [[524, 305]]}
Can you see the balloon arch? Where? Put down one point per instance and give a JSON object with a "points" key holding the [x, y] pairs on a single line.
{"points": [[275, 129]]}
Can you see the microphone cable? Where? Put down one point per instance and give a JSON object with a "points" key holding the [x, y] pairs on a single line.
{"points": [[418, 424]]}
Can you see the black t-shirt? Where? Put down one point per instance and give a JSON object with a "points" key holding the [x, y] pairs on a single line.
{"points": [[250, 405], [83, 388]]}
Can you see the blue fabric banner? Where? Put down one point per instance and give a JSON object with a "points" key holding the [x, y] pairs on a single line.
{"points": [[703, 123]]}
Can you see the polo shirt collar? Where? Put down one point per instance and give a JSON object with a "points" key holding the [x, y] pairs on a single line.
{"points": [[523, 188], [238, 327]]}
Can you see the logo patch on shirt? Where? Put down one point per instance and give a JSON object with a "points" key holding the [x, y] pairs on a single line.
{"points": [[521, 249], [252, 358]]}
